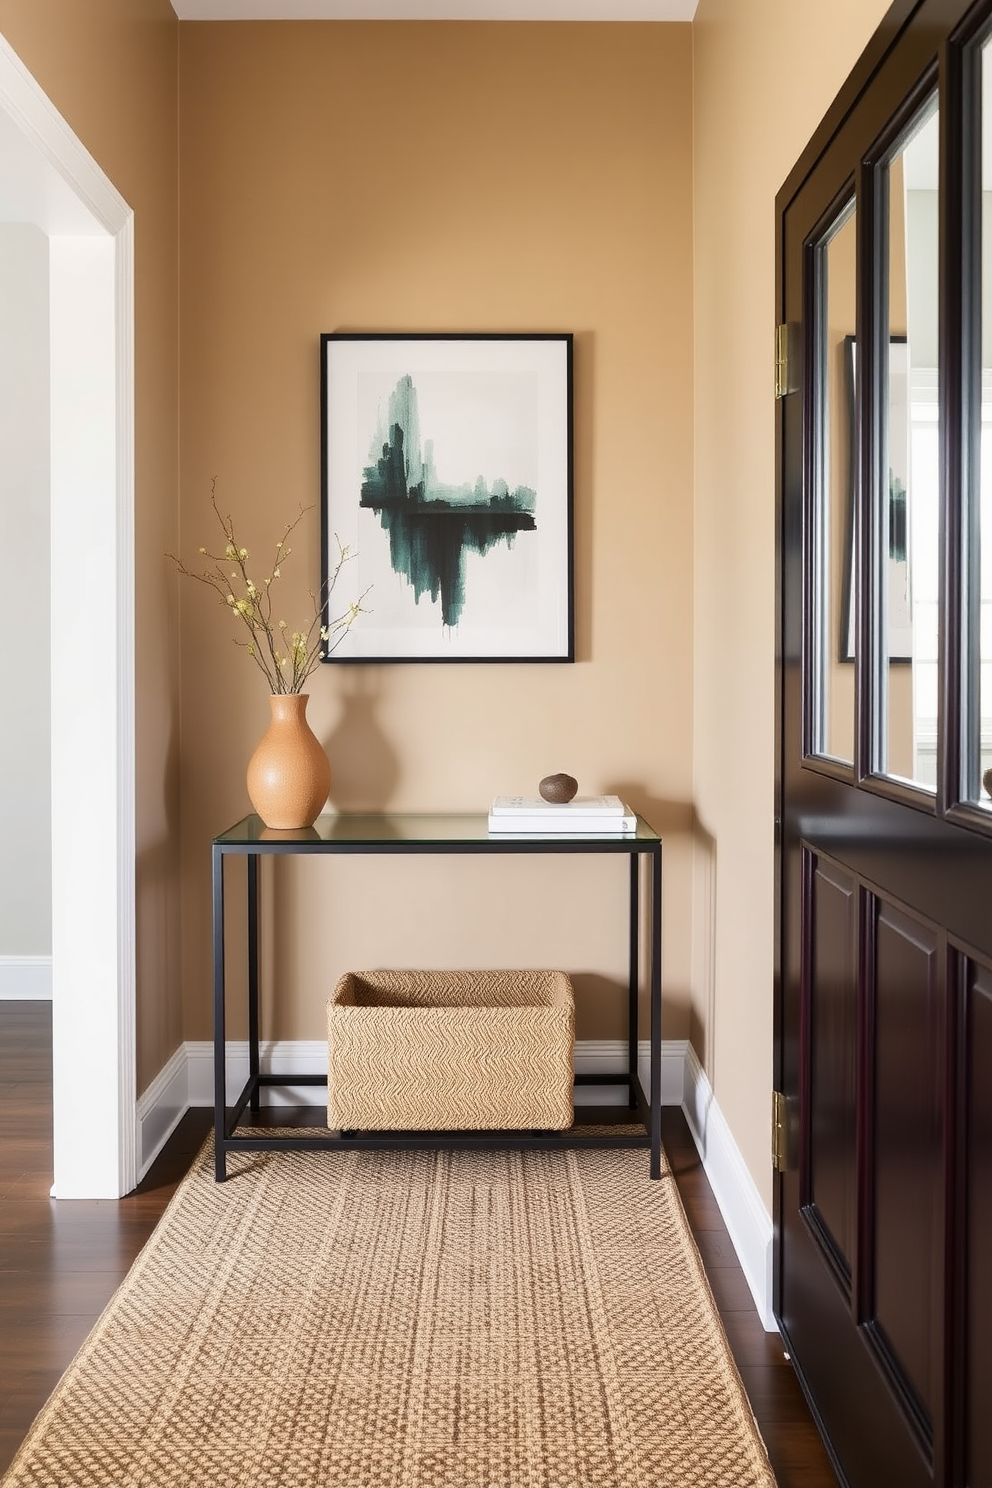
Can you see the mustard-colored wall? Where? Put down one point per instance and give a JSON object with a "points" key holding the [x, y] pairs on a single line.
{"points": [[764, 74], [110, 68], [445, 177]]}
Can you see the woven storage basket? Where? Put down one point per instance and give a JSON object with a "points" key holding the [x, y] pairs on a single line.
{"points": [[444, 1050]]}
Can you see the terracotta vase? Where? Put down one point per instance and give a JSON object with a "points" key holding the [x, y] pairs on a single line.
{"points": [[288, 775]]}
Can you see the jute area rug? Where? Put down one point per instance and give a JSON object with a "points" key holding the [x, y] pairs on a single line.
{"points": [[407, 1320]]}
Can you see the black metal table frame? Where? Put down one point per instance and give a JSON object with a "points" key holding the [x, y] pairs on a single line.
{"points": [[227, 1119]]}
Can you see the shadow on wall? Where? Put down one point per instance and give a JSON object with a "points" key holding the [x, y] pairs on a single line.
{"points": [[702, 1012], [364, 765], [669, 818], [600, 1006], [157, 957], [158, 933], [679, 819]]}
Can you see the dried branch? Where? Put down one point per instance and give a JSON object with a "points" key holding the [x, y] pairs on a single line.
{"points": [[285, 657]]}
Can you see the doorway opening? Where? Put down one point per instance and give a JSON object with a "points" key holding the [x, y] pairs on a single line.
{"points": [[49, 180]]}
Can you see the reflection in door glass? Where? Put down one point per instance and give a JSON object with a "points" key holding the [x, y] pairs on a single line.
{"points": [[832, 577], [980, 618], [906, 514]]}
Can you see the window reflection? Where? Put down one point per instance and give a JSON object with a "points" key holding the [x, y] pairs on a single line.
{"points": [[980, 623], [833, 672], [906, 514]]}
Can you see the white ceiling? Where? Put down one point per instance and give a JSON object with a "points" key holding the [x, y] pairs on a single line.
{"points": [[435, 10]]}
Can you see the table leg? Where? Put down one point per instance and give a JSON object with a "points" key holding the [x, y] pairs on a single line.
{"points": [[633, 977], [220, 1039], [656, 1012], [253, 1060]]}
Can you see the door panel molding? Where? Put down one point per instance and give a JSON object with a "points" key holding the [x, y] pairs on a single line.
{"points": [[828, 1091], [906, 1181], [978, 1221]]}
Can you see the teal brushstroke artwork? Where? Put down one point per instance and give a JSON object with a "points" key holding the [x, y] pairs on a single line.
{"points": [[432, 526]]}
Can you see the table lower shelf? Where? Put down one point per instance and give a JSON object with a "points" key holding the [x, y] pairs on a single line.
{"points": [[250, 1127]]}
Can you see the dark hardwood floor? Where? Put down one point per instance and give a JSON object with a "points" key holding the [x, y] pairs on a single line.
{"points": [[60, 1262]]}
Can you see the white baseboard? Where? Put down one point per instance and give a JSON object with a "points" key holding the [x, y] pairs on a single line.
{"points": [[309, 1057], [282, 1056], [25, 978], [188, 1080], [161, 1108], [747, 1220], [600, 1056]]}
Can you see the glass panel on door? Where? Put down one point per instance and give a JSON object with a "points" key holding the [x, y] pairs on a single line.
{"points": [[832, 572], [906, 511], [980, 525]]}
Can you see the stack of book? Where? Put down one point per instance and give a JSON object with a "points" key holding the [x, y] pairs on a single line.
{"points": [[583, 815]]}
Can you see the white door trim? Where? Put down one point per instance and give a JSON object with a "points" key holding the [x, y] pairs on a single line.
{"points": [[52, 180]]}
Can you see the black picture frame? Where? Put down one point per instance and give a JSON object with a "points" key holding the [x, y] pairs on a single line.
{"points": [[446, 474]]}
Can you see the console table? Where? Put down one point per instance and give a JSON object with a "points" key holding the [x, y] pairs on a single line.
{"points": [[408, 834]]}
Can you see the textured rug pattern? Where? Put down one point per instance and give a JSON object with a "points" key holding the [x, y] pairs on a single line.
{"points": [[407, 1320]]}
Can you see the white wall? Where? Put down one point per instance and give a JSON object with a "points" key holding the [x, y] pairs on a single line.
{"points": [[25, 605]]}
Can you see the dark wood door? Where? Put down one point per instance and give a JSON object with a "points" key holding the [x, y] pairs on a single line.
{"points": [[884, 998]]}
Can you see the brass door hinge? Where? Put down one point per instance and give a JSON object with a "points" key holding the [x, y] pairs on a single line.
{"points": [[786, 358], [780, 1132]]}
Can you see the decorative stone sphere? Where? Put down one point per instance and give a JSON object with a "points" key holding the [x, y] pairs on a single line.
{"points": [[558, 789]]}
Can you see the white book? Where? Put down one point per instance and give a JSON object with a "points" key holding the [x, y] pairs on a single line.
{"points": [[552, 825], [578, 806]]}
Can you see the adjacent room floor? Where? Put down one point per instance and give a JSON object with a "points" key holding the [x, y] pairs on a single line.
{"points": [[61, 1262]]}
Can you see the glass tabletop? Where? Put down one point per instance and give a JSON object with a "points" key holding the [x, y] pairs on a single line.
{"points": [[383, 829]]}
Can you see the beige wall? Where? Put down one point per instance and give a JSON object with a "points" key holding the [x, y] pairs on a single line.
{"points": [[109, 66], [446, 177], [764, 74], [617, 181]]}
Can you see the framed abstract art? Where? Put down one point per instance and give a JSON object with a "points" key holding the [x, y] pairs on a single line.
{"points": [[446, 468]]}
